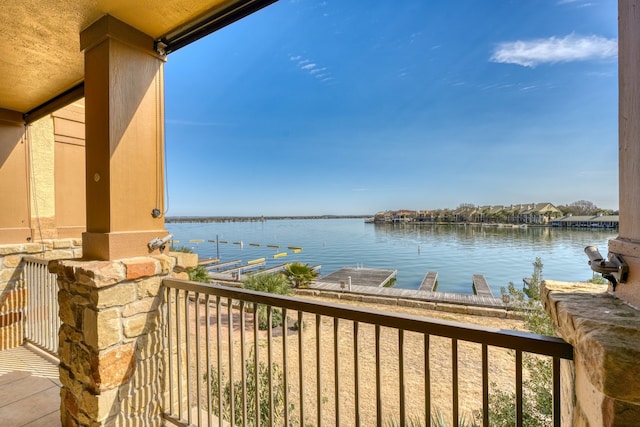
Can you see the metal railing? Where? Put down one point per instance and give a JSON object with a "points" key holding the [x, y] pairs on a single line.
{"points": [[335, 365], [42, 321]]}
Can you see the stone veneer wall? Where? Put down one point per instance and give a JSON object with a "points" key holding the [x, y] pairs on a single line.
{"points": [[13, 293], [605, 334], [111, 343]]}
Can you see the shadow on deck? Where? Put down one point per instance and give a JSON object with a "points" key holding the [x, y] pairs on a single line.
{"points": [[29, 389]]}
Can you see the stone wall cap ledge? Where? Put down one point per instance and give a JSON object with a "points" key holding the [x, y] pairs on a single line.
{"points": [[604, 331], [91, 273], [140, 267], [167, 263]]}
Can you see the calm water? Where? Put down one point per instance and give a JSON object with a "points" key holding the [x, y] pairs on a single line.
{"points": [[502, 255]]}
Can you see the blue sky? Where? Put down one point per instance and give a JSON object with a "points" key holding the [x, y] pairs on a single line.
{"points": [[349, 107]]}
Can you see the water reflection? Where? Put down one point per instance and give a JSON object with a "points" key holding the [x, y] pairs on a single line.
{"points": [[456, 252]]}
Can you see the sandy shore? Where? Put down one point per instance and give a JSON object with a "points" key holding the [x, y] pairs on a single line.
{"points": [[501, 364]]}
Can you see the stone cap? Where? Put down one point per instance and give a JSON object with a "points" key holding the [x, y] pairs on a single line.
{"points": [[604, 331], [106, 273], [184, 260]]}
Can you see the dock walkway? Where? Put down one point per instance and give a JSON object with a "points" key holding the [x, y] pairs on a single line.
{"points": [[223, 265], [430, 282], [235, 272], [367, 277], [415, 294], [480, 286]]}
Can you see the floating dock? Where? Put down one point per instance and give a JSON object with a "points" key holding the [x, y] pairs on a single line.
{"points": [[235, 273], [430, 282], [223, 265], [371, 277], [480, 286]]}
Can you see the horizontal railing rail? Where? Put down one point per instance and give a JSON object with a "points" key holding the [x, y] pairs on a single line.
{"points": [[42, 321], [368, 361]]}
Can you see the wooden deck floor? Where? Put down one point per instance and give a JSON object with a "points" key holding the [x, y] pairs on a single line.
{"points": [[29, 389]]}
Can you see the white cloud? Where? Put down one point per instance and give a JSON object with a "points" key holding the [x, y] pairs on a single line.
{"points": [[553, 50], [320, 73], [577, 3]]}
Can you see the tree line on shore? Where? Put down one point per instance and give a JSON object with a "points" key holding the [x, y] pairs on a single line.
{"points": [[526, 213], [204, 219]]}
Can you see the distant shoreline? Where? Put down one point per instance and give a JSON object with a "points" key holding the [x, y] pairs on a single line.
{"points": [[201, 219]]}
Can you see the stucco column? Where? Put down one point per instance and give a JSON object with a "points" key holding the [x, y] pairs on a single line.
{"points": [[124, 140], [14, 179], [627, 243]]}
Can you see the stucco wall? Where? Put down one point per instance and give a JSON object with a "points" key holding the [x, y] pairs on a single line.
{"points": [[14, 215], [70, 194]]}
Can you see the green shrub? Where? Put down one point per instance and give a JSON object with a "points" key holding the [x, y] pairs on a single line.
{"points": [[536, 389], [199, 274], [274, 283], [598, 279], [262, 387]]}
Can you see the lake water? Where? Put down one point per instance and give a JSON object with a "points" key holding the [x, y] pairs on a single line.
{"points": [[456, 252]]}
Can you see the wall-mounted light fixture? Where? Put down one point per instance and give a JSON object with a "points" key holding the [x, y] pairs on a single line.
{"points": [[159, 243], [614, 269]]}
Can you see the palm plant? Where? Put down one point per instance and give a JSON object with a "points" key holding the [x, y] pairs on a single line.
{"points": [[300, 275]]}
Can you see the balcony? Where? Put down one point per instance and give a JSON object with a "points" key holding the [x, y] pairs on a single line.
{"points": [[326, 364], [343, 366], [119, 321]]}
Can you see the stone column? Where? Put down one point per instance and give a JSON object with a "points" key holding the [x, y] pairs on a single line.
{"points": [[627, 243], [603, 385], [124, 105], [112, 354]]}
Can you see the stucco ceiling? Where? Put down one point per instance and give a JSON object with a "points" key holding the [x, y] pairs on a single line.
{"points": [[40, 55]]}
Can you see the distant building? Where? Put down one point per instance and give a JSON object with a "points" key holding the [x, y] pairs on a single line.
{"points": [[539, 213], [587, 221], [526, 213]]}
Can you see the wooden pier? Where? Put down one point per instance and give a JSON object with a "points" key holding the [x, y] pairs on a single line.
{"points": [[236, 272], [480, 286], [371, 277], [363, 285], [223, 265], [269, 270], [430, 282], [446, 298]]}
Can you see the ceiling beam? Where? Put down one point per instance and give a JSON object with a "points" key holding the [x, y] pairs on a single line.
{"points": [[208, 24], [54, 104]]}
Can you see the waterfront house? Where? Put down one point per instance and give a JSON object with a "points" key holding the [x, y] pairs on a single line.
{"points": [[127, 315], [539, 213], [404, 216], [587, 221]]}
